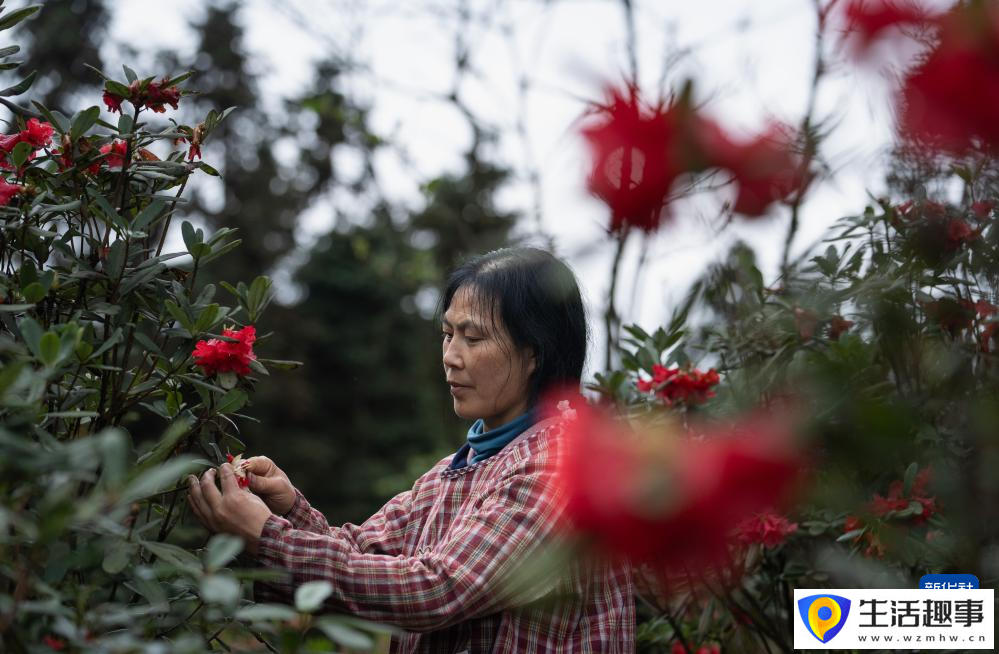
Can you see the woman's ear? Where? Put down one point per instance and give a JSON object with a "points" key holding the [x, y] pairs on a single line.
{"points": [[532, 363]]}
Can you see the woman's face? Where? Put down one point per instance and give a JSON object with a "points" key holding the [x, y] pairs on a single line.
{"points": [[488, 376]]}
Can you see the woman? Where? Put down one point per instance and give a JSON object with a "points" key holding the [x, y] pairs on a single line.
{"points": [[441, 560]]}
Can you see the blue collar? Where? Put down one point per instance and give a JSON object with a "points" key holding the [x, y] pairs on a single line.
{"points": [[489, 443]]}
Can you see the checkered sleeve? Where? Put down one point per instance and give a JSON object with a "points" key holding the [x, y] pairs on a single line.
{"points": [[382, 533], [469, 574]]}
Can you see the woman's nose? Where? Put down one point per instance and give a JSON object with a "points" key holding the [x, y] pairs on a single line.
{"points": [[451, 357]]}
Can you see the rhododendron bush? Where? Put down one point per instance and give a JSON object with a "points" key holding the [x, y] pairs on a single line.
{"points": [[122, 371], [834, 426]]}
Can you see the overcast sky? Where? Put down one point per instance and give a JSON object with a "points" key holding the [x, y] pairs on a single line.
{"points": [[751, 60]]}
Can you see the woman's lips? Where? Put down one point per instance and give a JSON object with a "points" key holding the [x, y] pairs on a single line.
{"points": [[457, 389]]}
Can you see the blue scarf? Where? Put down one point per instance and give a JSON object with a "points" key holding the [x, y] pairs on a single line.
{"points": [[489, 443]]}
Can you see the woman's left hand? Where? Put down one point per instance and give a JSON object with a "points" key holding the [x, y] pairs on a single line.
{"points": [[234, 511]]}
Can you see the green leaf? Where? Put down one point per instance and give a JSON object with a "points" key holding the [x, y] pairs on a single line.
{"points": [[282, 365], [206, 318], [909, 479], [179, 315], [116, 259], [220, 589], [130, 74], [15, 17], [232, 401], [118, 557], [191, 239], [15, 308], [116, 88], [222, 549], [48, 349], [165, 446], [261, 612], [20, 153], [9, 50], [310, 596], [176, 556], [31, 332], [20, 87], [157, 479], [125, 125], [34, 292], [343, 634], [83, 122], [850, 535]]}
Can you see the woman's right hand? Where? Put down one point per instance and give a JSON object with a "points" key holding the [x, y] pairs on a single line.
{"points": [[271, 484]]}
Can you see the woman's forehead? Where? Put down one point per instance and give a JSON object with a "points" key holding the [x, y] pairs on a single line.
{"points": [[468, 305]]}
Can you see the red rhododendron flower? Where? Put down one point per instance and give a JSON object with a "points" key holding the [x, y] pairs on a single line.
{"points": [[113, 102], [868, 20], [952, 99], [653, 497], [239, 470], [896, 499], [37, 133], [769, 529], [8, 191], [639, 150], [154, 96], [158, 94], [218, 356], [874, 546], [838, 325], [959, 232], [805, 321], [52, 642], [115, 151], [765, 169], [953, 315], [982, 209], [678, 648], [984, 308], [674, 385]]}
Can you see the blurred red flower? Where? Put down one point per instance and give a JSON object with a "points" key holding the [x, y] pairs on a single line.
{"points": [[765, 169], [768, 528], [868, 20], [666, 500], [951, 100], [953, 315], [115, 151], [52, 642], [218, 356], [960, 232], [874, 546], [674, 385], [8, 191], [982, 210], [639, 150], [678, 648], [838, 325]]}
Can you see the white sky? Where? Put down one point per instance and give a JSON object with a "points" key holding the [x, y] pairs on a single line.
{"points": [[751, 59]]}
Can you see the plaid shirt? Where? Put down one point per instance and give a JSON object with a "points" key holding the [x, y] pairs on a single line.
{"points": [[440, 562]]}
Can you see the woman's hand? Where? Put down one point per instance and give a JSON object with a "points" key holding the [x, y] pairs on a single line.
{"points": [[270, 483], [234, 511]]}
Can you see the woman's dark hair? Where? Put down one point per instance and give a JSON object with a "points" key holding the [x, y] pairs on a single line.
{"points": [[538, 301]]}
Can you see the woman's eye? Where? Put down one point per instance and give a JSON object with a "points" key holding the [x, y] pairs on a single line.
{"points": [[473, 339], [446, 336]]}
